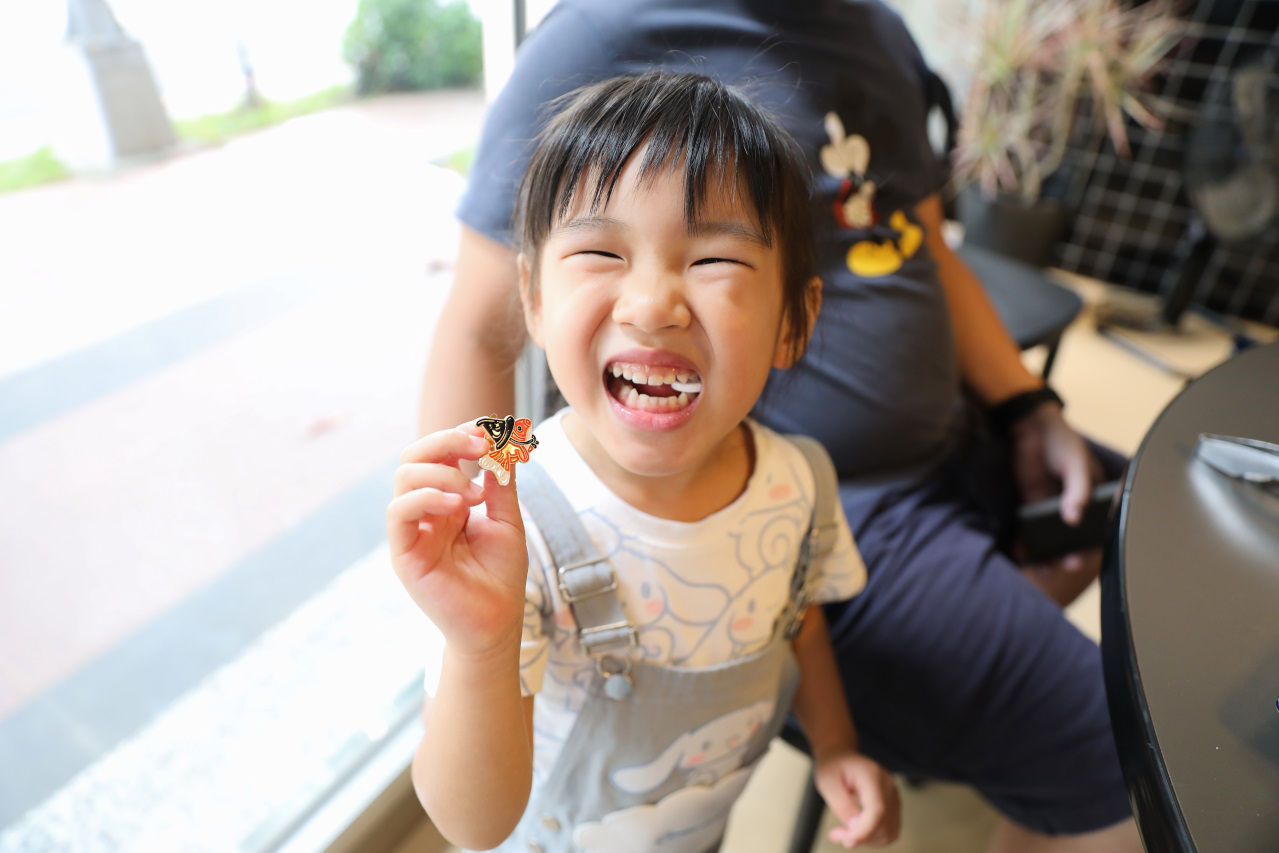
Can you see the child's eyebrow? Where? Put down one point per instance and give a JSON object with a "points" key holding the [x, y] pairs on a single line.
{"points": [[731, 228], [589, 224]]}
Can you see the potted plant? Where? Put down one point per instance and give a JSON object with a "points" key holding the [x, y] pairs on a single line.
{"points": [[1036, 67]]}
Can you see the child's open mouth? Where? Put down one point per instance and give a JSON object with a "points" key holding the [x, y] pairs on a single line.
{"points": [[646, 388]]}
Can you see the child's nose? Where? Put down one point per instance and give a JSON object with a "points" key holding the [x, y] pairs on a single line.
{"points": [[652, 300]]}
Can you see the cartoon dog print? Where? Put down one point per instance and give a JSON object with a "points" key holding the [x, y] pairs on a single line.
{"points": [[706, 753]]}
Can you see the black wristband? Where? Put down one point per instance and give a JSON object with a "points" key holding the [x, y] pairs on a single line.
{"points": [[1016, 407]]}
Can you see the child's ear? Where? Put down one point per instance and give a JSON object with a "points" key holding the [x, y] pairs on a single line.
{"points": [[528, 299], [788, 350]]}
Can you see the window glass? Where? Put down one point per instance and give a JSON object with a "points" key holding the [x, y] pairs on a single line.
{"points": [[225, 246]]}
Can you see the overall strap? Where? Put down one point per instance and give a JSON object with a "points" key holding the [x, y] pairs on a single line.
{"points": [[823, 530], [585, 579]]}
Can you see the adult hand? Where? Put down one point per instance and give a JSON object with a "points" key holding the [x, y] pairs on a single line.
{"points": [[464, 567], [864, 797], [1050, 458]]}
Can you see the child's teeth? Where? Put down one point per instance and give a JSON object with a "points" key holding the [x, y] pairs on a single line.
{"points": [[682, 383]]}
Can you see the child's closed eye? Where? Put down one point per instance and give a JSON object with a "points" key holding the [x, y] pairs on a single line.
{"points": [[718, 260], [594, 261]]}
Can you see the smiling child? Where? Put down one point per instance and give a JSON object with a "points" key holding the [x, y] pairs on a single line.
{"points": [[621, 644]]}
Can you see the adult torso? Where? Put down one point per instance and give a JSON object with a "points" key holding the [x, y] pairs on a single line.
{"points": [[880, 381]]}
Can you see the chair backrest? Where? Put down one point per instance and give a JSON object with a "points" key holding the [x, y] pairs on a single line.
{"points": [[938, 95]]}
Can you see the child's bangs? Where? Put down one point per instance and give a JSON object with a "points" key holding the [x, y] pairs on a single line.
{"points": [[706, 169], [715, 137]]}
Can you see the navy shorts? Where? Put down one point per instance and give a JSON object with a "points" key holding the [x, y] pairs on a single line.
{"points": [[957, 667]]}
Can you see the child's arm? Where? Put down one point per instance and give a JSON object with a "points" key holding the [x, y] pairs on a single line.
{"points": [[860, 792], [466, 570]]}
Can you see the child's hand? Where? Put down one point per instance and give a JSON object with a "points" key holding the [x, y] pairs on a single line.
{"points": [[863, 796], [465, 568]]}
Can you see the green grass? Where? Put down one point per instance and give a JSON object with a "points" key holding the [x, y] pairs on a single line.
{"points": [[42, 167], [459, 161], [219, 127]]}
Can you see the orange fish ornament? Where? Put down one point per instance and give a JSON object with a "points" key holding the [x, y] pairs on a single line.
{"points": [[510, 441]]}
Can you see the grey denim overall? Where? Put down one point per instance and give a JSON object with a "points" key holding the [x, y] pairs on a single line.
{"points": [[658, 754]]}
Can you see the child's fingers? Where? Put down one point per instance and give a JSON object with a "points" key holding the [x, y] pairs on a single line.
{"points": [[879, 821], [856, 830], [434, 475], [447, 446], [408, 511], [864, 824], [841, 801]]}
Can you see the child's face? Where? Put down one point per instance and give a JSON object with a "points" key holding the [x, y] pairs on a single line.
{"points": [[660, 336]]}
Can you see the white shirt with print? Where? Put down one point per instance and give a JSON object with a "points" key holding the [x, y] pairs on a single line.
{"points": [[699, 593]]}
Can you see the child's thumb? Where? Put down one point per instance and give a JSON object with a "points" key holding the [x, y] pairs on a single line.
{"points": [[502, 503]]}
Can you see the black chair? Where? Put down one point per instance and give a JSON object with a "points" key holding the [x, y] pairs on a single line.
{"points": [[1035, 309]]}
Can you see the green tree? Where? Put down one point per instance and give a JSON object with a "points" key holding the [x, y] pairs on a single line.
{"points": [[404, 45]]}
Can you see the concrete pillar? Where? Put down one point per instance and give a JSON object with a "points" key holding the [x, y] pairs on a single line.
{"points": [[112, 108]]}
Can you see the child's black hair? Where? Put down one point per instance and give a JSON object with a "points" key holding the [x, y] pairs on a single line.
{"points": [[682, 120]]}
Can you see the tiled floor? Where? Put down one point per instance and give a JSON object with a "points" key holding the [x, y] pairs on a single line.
{"points": [[1113, 397]]}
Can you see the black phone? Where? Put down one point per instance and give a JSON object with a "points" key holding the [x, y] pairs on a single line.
{"points": [[1046, 537]]}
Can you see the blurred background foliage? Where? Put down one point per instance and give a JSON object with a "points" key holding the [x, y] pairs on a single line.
{"points": [[405, 45], [224, 69]]}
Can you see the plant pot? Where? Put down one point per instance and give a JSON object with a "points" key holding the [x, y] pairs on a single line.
{"points": [[1028, 233]]}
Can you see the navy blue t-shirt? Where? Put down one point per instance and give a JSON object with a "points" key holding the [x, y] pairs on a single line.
{"points": [[879, 384]]}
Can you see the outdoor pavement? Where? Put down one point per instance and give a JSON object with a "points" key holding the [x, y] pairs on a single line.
{"points": [[208, 366]]}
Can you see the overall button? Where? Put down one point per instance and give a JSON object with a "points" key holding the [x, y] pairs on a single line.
{"points": [[617, 687], [550, 823], [534, 847]]}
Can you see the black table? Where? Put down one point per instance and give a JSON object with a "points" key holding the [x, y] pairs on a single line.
{"points": [[1190, 624]]}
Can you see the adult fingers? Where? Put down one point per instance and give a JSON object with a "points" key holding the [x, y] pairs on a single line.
{"points": [[1086, 562], [1076, 484]]}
